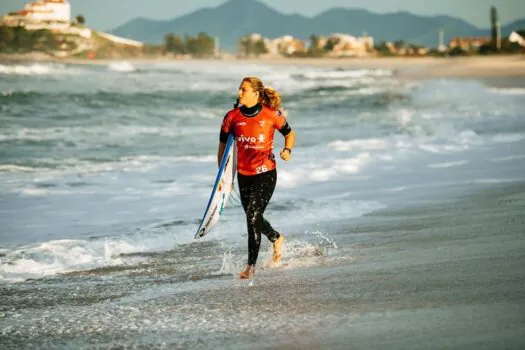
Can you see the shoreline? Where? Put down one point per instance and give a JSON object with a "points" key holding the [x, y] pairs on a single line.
{"points": [[414, 68]]}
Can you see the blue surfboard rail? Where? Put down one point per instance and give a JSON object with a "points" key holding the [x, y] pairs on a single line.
{"points": [[229, 144]]}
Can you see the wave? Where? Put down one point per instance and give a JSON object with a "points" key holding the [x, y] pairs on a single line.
{"points": [[13, 94], [116, 129], [124, 67], [508, 91], [141, 163], [42, 69], [509, 158], [13, 168], [347, 89], [508, 138], [447, 164], [169, 97], [343, 74], [62, 256], [34, 69], [328, 169]]}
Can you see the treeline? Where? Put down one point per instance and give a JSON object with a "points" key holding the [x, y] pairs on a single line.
{"points": [[317, 50], [249, 47], [202, 45], [507, 47], [20, 40]]}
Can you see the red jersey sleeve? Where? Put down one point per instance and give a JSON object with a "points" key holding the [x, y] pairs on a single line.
{"points": [[226, 127], [279, 120], [226, 122]]}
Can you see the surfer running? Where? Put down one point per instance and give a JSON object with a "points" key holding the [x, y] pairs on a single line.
{"points": [[253, 125]]}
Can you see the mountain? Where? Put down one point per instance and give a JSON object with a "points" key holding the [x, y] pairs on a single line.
{"points": [[514, 26], [236, 18]]}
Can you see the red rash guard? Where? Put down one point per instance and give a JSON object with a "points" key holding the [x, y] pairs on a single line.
{"points": [[254, 136]]}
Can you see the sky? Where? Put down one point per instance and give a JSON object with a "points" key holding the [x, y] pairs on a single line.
{"points": [[108, 14]]}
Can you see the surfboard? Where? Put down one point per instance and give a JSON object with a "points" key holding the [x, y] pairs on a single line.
{"points": [[220, 194]]}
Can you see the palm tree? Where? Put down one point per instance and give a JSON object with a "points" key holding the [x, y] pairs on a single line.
{"points": [[495, 28]]}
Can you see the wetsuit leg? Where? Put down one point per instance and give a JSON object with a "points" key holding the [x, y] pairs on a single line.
{"points": [[256, 192]]}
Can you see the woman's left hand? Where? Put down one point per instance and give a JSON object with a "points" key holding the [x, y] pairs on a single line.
{"points": [[286, 154]]}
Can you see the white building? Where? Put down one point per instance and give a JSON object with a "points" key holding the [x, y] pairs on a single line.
{"points": [[39, 12], [516, 38], [121, 41], [48, 10], [346, 45], [287, 45]]}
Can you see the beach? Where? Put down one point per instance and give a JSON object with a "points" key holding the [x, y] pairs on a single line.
{"points": [[402, 206], [411, 67], [412, 284]]}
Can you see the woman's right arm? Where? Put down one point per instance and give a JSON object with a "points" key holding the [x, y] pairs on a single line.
{"points": [[220, 152]]}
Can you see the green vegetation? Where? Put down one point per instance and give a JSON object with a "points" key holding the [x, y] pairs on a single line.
{"points": [[202, 45], [249, 47], [506, 48], [20, 40], [384, 49], [314, 50], [81, 20]]}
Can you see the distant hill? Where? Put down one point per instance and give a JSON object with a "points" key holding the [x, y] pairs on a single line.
{"points": [[236, 18]]}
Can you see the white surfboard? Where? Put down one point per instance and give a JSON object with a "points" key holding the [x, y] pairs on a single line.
{"points": [[220, 194]]}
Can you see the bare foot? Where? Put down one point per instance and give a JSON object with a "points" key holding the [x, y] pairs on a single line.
{"points": [[247, 273], [278, 248]]}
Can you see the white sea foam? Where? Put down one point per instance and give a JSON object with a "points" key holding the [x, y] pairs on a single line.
{"points": [[443, 149], [508, 138], [396, 189], [43, 192], [360, 144], [325, 171], [447, 164], [34, 69], [61, 256], [498, 181], [509, 158], [509, 91], [206, 113], [54, 257], [12, 168], [353, 165], [90, 134], [344, 74], [404, 116], [123, 66]]}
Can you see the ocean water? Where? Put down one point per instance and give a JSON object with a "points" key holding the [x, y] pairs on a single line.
{"points": [[403, 207]]}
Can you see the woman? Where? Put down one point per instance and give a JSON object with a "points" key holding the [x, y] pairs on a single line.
{"points": [[253, 126]]}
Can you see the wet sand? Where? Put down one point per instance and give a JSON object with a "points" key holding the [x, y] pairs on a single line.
{"points": [[443, 276]]}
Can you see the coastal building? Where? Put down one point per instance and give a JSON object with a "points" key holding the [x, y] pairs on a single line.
{"points": [[286, 45], [121, 41], [345, 45], [40, 11], [514, 37], [55, 16], [469, 43], [256, 44]]}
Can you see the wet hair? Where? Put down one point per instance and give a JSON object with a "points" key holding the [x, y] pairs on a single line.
{"points": [[267, 96]]}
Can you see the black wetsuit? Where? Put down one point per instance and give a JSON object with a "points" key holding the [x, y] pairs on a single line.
{"points": [[256, 192]]}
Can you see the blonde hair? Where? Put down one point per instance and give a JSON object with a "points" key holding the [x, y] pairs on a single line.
{"points": [[268, 96]]}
